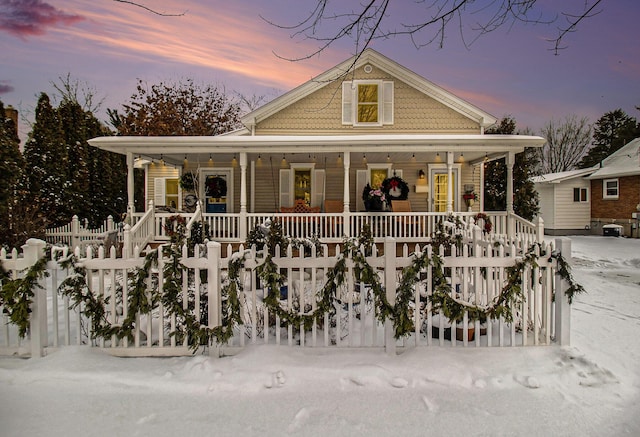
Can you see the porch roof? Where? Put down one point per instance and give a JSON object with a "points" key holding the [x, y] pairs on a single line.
{"points": [[388, 143]]}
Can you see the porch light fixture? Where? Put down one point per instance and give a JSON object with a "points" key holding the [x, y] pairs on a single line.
{"points": [[364, 158], [259, 161], [421, 175], [234, 162], [162, 159], [388, 158], [413, 158], [210, 160], [283, 163], [339, 159], [186, 162]]}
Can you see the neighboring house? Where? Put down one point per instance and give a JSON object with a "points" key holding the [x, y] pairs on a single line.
{"points": [[615, 188], [565, 202], [358, 123]]}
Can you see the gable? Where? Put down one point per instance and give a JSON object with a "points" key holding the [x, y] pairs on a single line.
{"points": [[418, 105], [413, 112]]}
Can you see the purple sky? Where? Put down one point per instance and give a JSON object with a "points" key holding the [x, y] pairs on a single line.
{"points": [[511, 71]]}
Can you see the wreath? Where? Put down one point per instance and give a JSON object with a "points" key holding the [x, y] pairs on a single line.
{"points": [[215, 186], [175, 227], [395, 188], [488, 226]]}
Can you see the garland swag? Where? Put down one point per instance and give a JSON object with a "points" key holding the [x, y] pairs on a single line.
{"points": [[16, 296]]}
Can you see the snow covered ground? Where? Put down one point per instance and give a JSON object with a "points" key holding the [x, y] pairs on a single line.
{"points": [[590, 388]]}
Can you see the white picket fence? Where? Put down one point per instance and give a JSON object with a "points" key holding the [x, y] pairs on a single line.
{"points": [[77, 233], [477, 274]]}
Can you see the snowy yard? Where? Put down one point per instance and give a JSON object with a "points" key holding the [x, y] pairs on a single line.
{"points": [[589, 388]]}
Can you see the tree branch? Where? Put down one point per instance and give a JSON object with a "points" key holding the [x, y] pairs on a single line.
{"points": [[153, 11]]}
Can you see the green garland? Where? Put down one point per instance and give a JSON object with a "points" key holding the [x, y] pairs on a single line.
{"points": [[16, 296]]}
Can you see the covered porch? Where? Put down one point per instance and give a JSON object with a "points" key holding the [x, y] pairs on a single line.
{"points": [[264, 176]]}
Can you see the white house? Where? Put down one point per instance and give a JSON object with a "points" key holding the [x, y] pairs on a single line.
{"points": [[565, 201]]}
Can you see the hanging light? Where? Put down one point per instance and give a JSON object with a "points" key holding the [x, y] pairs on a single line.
{"points": [[162, 160], [413, 158], [283, 163], [234, 162], [388, 158], [364, 158], [259, 161], [339, 159], [186, 162], [210, 160]]}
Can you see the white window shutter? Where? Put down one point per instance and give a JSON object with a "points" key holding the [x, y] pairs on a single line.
{"points": [[361, 182], [387, 102], [158, 191], [317, 195], [286, 187], [347, 103]]}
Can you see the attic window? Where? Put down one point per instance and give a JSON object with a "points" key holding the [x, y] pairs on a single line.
{"points": [[367, 103]]}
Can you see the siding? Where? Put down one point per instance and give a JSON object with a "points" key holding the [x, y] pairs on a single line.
{"points": [[570, 214], [321, 113], [157, 171]]}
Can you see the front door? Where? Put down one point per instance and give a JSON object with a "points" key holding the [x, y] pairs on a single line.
{"points": [[440, 184]]}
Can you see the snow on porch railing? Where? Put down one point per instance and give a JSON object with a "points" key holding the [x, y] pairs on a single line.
{"points": [[77, 233]]}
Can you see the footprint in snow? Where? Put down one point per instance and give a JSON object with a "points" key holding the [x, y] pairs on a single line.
{"points": [[299, 420], [277, 380], [527, 381], [399, 382], [431, 406]]}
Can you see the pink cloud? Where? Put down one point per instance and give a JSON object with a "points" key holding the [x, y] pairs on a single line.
{"points": [[23, 18]]}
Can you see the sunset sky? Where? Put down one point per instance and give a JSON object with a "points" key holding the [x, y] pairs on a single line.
{"points": [[512, 71]]}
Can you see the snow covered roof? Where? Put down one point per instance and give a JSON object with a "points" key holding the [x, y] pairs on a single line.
{"points": [[624, 162], [556, 178]]}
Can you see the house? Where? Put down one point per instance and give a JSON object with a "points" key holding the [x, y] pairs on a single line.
{"points": [[362, 122], [615, 188], [565, 201]]}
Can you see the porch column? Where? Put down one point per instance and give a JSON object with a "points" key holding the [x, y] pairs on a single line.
{"points": [[243, 196], [450, 157], [130, 188], [511, 158], [346, 200], [481, 200]]}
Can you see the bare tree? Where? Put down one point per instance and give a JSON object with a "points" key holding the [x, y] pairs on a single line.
{"points": [[374, 19], [70, 89], [568, 141]]}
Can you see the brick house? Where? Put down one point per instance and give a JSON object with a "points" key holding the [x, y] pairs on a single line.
{"points": [[615, 190]]}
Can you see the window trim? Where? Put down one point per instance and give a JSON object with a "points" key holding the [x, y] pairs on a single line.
{"points": [[350, 102], [605, 195], [580, 191]]}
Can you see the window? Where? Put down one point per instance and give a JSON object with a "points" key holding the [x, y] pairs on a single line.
{"points": [[579, 194], [610, 189], [367, 103]]}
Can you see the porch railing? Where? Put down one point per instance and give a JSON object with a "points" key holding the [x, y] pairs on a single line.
{"points": [[77, 233]]}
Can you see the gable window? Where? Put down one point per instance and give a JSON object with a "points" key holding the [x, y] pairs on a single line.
{"points": [[610, 189], [367, 103], [579, 194]]}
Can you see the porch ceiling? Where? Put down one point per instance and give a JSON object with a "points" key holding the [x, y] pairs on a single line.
{"points": [[179, 145]]}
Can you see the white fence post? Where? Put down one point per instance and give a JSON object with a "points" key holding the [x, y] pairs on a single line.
{"points": [[214, 287], [563, 308], [540, 229], [390, 287], [32, 251], [75, 230], [126, 241]]}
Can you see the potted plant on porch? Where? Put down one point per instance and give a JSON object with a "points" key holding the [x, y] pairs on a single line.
{"points": [[374, 199]]}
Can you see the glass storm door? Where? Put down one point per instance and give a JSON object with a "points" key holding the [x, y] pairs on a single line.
{"points": [[440, 185]]}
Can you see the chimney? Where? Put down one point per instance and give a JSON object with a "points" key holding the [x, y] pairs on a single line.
{"points": [[12, 113]]}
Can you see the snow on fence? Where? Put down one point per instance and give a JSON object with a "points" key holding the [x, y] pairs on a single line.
{"points": [[477, 273]]}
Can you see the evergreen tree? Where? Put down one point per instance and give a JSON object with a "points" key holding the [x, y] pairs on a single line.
{"points": [[46, 164], [525, 197], [11, 168], [612, 131], [74, 126]]}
